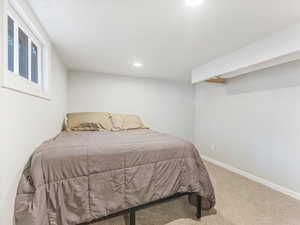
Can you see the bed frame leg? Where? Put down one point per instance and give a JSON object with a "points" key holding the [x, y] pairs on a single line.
{"points": [[199, 207], [132, 217]]}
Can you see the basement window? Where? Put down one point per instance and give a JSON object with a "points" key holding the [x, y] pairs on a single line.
{"points": [[26, 52]]}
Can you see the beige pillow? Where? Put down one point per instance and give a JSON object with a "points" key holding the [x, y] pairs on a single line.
{"points": [[126, 122], [88, 121]]}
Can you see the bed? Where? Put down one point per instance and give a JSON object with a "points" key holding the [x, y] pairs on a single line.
{"points": [[79, 177]]}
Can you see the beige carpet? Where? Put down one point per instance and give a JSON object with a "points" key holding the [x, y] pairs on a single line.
{"points": [[239, 202]]}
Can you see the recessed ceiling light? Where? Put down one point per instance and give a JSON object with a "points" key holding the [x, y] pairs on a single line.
{"points": [[193, 2], [137, 64]]}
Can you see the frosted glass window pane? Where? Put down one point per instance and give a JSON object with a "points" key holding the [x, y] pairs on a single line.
{"points": [[10, 47], [23, 54], [34, 63]]}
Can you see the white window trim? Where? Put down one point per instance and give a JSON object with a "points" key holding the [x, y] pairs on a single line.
{"points": [[27, 22]]}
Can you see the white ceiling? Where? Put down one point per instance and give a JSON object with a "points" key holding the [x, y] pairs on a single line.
{"points": [[169, 38]]}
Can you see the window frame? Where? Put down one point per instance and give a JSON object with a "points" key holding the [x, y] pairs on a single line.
{"points": [[25, 20]]}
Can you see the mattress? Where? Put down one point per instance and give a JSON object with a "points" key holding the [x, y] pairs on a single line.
{"points": [[81, 176]]}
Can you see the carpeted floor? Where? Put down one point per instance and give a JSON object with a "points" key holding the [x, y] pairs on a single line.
{"points": [[239, 202]]}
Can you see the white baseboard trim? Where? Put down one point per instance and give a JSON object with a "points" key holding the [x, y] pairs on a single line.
{"points": [[252, 177]]}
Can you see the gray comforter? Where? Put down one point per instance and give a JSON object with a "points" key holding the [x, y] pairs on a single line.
{"points": [[80, 176]]}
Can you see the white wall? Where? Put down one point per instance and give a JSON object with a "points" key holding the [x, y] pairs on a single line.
{"points": [[278, 48], [253, 123], [164, 106], [26, 122]]}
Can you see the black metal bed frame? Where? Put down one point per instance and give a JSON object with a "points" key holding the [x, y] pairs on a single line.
{"points": [[131, 211]]}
